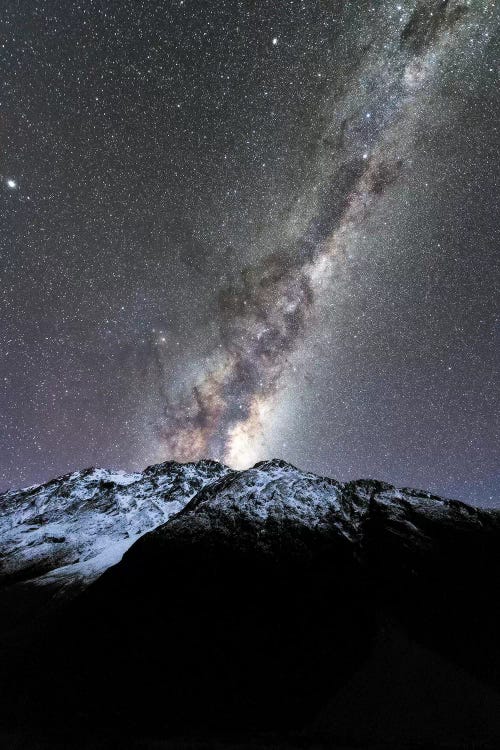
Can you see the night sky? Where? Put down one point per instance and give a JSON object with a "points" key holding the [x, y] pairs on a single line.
{"points": [[242, 230]]}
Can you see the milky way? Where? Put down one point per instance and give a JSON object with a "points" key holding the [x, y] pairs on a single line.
{"points": [[262, 321], [239, 230]]}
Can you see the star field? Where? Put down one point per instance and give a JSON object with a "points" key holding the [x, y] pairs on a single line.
{"points": [[241, 230]]}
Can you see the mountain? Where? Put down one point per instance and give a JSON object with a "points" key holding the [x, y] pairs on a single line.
{"points": [[273, 600], [74, 527]]}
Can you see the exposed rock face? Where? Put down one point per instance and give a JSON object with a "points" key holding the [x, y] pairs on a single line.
{"points": [[260, 605]]}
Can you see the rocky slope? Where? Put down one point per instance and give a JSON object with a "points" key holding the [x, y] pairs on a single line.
{"points": [[278, 600], [74, 527]]}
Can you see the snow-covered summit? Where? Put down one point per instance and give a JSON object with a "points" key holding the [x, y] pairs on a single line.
{"points": [[272, 488], [79, 524]]}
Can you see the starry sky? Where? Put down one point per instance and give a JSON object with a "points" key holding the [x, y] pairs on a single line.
{"points": [[243, 229]]}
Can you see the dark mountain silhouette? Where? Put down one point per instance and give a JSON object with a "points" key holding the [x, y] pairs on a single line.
{"points": [[274, 607]]}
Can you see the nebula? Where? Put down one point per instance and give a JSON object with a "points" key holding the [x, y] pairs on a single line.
{"points": [[262, 320]]}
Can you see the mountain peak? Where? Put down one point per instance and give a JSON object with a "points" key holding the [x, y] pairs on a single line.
{"points": [[81, 523], [274, 463]]}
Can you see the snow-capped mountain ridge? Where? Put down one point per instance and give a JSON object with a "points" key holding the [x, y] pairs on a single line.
{"points": [[90, 515], [74, 527], [273, 489]]}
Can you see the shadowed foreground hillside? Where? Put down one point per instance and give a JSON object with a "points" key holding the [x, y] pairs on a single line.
{"points": [[275, 608]]}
